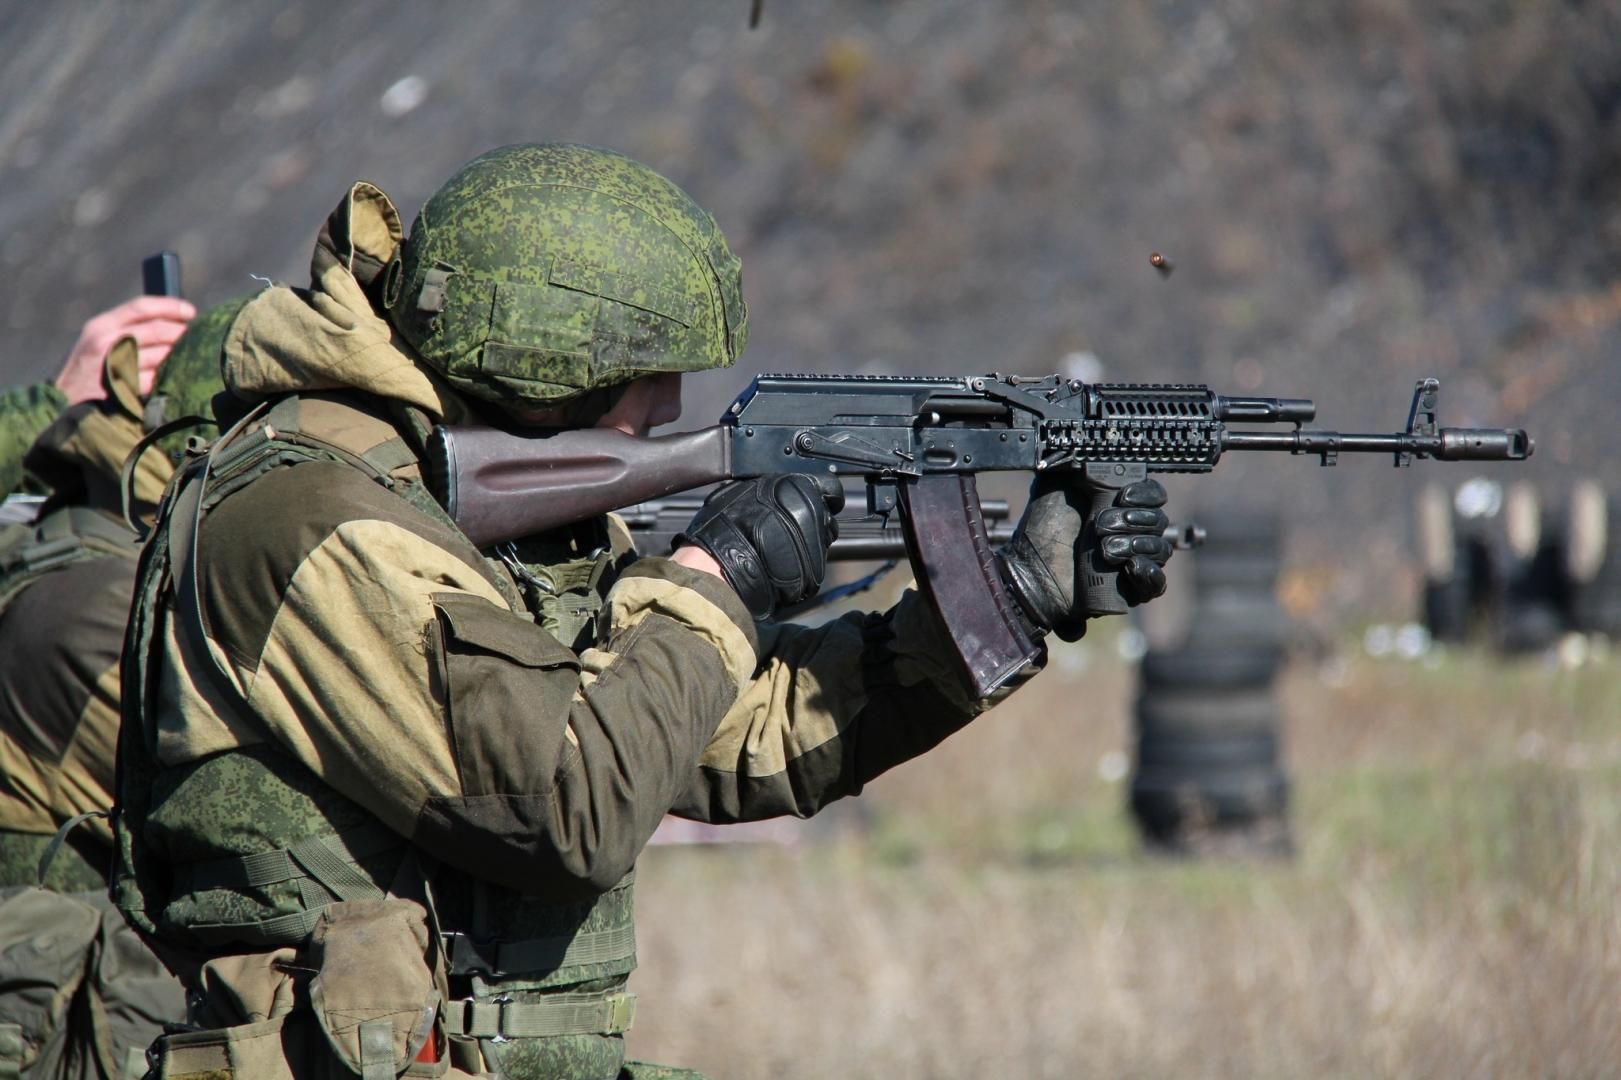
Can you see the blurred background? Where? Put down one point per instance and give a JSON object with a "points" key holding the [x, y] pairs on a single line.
{"points": [[1352, 194]]}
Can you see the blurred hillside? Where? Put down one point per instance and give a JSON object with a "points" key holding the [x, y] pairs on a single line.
{"points": [[1353, 194]]}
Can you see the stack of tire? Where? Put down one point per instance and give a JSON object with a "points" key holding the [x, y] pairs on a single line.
{"points": [[1592, 560], [1460, 557], [1536, 594], [1209, 776], [1506, 570]]}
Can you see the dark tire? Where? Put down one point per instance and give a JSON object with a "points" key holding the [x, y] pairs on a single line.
{"points": [[1208, 768], [1448, 609], [1528, 628], [1255, 572], [1172, 809], [1201, 666], [1207, 756], [1240, 621], [1241, 530], [1183, 714]]}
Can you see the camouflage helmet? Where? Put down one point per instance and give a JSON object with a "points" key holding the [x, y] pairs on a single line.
{"points": [[190, 375], [539, 275]]}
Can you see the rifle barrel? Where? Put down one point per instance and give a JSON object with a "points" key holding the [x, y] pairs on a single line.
{"points": [[1448, 444]]}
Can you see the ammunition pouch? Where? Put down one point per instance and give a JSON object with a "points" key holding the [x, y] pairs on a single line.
{"points": [[80, 996], [372, 1004], [374, 995]]}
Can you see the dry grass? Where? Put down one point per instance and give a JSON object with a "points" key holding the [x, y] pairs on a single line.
{"points": [[1451, 912]]}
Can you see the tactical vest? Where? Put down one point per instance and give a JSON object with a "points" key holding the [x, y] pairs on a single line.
{"points": [[537, 986], [28, 553]]}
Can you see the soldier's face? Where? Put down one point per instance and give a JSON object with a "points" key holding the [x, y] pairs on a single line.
{"points": [[646, 403]]}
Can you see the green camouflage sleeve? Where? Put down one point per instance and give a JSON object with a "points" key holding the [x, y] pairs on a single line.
{"points": [[829, 708], [25, 411]]}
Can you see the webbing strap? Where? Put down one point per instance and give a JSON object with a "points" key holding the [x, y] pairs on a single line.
{"points": [[278, 865], [126, 475], [385, 457], [322, 866], [335, 874], [46, 554], [289, 929], [11, 1051], [188, 515], [560, 1014], [48, 856], [377, 1050], [62, 537], [539, 954], [547, 954]]}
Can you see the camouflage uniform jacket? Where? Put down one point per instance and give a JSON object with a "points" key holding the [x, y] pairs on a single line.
{"points": [[330, 669], [80, 996]]}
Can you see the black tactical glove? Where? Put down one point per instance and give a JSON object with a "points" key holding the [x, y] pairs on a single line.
{"points": [[770, 536], [1041, 564]]}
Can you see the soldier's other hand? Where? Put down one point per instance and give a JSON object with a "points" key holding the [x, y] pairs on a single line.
{"points": [[155, 322], [770, 536], [1042, 563], [1131, 535]]}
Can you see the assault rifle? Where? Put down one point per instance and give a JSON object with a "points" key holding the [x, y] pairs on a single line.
{"points": [[917, 443]]}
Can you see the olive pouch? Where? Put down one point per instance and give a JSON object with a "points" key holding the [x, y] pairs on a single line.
{"points": [[374, 993], [47, 945]]}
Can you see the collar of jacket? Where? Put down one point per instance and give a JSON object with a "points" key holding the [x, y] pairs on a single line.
{"points": [[329, 336]]}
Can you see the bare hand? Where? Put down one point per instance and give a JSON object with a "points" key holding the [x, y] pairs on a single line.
{"points": [[155, 322]]}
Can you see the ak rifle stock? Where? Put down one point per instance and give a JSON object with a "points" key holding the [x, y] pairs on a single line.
{"points": [[917, 443]]}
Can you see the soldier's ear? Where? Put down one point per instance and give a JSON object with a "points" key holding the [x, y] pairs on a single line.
{"points": [[121, 377], [363, 233]]}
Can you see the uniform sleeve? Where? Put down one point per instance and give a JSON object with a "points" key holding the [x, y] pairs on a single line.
{"points": [[830, 708], [25, 411], [370, 643]]}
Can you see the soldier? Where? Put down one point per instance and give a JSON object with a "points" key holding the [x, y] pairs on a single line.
{"points": [[155, 323], [385, 791], [79, 994]]}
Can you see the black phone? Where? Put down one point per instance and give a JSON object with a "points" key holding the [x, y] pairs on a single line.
{"points": [[160, 274]]}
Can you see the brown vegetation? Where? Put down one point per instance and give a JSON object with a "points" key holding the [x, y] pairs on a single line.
{"points": [[1452, 910]]}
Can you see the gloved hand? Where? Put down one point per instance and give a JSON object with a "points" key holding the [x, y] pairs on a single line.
{"points": [[1041, 564], [770, 536]]}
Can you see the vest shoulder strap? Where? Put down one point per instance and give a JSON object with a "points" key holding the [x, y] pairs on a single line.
{"points": [[67, 535]]}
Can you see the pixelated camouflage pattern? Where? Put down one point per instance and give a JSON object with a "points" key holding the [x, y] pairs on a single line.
{"points": [[244, 802], [69, 871], [540, 273], [641, 1070], [25, 411], [190, 376]]}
